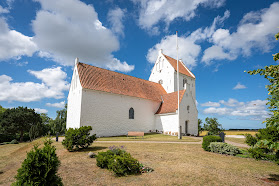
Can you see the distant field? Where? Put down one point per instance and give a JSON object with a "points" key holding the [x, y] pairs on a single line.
{"points": [[233, 132], [173, 164], [150, 137]]}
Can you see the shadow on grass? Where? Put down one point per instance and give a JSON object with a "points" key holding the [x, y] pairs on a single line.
{"points": [[92, 149], [274, 177]]}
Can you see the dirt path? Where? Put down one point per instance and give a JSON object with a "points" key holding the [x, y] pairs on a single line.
{"points": [[237, 144], [60, 139]]}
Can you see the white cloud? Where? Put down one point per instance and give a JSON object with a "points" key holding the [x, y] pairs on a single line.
{"points": [[14, 44], [39, 110], [119, 66], [254, 32], [188, 50], [57, 105], [3, 10], [239, 86], [217, 53], [251, 110], [115, 17], [52, 86], [211, 104], [154, 11], [67, 29]]}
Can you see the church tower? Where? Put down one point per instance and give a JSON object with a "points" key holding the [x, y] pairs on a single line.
{"points": [[164, 72]]}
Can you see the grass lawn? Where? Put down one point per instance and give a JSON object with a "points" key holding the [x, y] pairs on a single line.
{"points": [[232, 132], [150, 137], [236, 140], [174, 164]]}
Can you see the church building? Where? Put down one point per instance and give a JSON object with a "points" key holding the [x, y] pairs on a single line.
{"points": [[114, 103]]}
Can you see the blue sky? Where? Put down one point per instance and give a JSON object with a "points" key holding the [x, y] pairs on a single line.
{"points": [[218, 41]]}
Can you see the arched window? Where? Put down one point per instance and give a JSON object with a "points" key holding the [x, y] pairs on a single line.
{"points": [[188, 108], [131, 113]]}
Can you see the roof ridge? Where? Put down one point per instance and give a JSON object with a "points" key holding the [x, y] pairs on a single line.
{"points": [[120, 73], [173, 62]]}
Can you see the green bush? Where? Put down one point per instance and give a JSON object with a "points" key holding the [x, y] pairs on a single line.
{"points": [[14, 141], [76, 139], [264, 150], [268, 133], [119, 161], [124, 164], [40, 167], [223, 148], [103, 158], [250, 140], [208, 139]]}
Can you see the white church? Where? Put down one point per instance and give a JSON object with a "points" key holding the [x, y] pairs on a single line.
{"points": [[114, 103]]}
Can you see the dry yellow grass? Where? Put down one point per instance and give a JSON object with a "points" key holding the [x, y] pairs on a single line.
{"points": [[236, 140], [174, 164], [230, 132]]}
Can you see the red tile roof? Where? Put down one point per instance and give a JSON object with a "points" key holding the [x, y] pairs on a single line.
{"points": [[182, 68], [169, 104], [108, 81]]}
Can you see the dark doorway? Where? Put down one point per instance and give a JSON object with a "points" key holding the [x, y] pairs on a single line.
{"points": [[186, 127]]}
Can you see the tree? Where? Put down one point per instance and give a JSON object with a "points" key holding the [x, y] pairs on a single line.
{"points": [[200, 129], [2, 110], [265, 146], [45, 123], [19, 120], [59, 124], [212, 126]]}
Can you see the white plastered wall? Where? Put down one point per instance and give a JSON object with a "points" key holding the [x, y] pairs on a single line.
{"points": [[191, 116], [167, 122], [163, 72], [74, 102], [108, 113], [190, 81]]}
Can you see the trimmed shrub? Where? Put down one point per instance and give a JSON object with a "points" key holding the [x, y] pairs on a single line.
{"points": [[250, 140], [208, 139], [119, 161], [76, 139], [223, 148], [14, 141], [40, 167]]}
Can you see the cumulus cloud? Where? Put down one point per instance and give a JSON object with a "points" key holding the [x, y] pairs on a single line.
{"points": [[67, 29], [57, 105], [14, 44], [39, 110], [239, 86], [254, 32], [154, 11], [252, 110], [115, 17], [3, 10], [211, 104], [52, 86], [188, 50]]}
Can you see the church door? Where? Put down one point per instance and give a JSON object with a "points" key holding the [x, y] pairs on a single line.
{"points": [[186, 127]]}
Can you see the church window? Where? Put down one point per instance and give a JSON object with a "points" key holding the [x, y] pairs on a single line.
{"points": [[188, 108], [184, 82], [131, 113]]}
